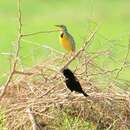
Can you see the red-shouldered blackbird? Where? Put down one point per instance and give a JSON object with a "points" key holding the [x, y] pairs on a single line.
{"points": [[72, 82]]}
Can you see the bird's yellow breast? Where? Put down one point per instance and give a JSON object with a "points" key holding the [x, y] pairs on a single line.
{"points": [[66, 42]]}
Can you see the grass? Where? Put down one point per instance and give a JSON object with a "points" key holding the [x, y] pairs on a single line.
{"points": [[79, 16], [67, 122]]}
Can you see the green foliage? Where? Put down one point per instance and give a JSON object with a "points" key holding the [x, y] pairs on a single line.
{"points": [[80, 16], [66, 122]]}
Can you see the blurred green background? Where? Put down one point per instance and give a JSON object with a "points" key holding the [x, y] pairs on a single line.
{"points": [[80, 16]]}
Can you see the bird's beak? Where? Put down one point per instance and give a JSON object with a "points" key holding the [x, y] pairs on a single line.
{"points": [[57, 25]]}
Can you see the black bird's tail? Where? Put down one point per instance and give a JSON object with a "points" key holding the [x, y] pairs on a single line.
{"points": [[85, 94]]}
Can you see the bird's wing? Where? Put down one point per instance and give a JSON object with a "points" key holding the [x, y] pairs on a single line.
{"points": [[72, 41]]}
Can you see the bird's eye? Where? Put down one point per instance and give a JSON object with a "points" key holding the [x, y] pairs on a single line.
{"points": [[62, 34]]}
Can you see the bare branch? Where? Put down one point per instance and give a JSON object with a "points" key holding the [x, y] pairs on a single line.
{"points": [[32, 119], [22, 73], [36, 33], [125, 60], [17, 50], [103, 73]]}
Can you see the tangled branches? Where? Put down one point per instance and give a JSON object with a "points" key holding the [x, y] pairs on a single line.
{"points": [[40, 91]]}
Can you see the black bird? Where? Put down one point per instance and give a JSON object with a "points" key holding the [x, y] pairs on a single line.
{"points": [[72, 82]]}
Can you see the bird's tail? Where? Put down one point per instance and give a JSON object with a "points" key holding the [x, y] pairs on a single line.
{"points": [[85, 94]]}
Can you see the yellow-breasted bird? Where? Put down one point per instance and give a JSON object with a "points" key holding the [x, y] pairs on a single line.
{"points": [[66, 39]]}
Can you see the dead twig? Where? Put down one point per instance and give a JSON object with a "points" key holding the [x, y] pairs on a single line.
{"points": [[125, 60], [17, 50], [40, 32], [32, 119], [23, 73]]}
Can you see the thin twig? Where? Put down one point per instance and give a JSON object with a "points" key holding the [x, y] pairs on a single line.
{"points": [[102, 73], [17, 51], [32, 119], [43, 46], [40, 32], [23, 73], [125, 60]]}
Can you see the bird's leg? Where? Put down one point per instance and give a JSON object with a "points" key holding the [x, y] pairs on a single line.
{"points": [[65, 56], [71, 54]]}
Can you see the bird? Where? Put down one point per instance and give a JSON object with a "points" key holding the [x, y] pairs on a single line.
{"points": [[72, 82], [66, 39]]}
